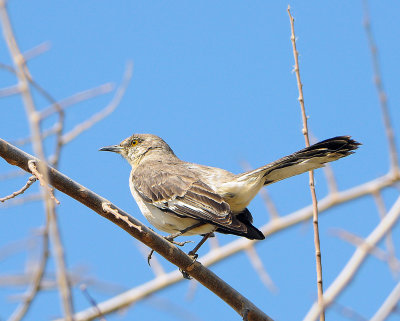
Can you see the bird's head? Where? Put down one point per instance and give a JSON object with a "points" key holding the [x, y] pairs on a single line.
{"points": [[136, 146]]}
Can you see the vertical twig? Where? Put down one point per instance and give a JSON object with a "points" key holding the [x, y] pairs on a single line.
{"points": [[311, 173]]}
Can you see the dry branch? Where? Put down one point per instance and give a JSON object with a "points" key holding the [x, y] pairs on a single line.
{"points": [[311, 173], [239, 303]]}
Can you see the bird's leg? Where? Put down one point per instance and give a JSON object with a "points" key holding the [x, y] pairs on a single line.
{"points": [[193, 254], [171, 238]]}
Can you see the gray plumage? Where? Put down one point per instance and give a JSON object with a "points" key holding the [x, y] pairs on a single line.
{"points": [[175, 195]]}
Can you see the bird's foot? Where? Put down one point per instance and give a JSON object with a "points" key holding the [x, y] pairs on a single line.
{"points": [[169, 238]]}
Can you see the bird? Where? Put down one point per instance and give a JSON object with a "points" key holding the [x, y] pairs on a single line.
{"points": [[183, 198]]}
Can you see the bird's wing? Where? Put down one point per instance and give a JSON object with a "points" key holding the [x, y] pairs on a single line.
{"points": [[178, 190]]}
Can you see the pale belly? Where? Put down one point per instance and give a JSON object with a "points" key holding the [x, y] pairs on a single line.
{"points": [[170, 223]]}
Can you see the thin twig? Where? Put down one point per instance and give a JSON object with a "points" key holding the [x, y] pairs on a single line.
{"points": [[311, 173], [30, 181], [394, 159], [77, 98], [9, 91], [36, 51], [34, 197]]}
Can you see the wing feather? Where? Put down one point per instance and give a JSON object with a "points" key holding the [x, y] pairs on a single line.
{"points": [[182, 193]]}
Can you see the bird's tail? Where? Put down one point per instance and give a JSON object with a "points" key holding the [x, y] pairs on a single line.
{"points": [[304, 160]]}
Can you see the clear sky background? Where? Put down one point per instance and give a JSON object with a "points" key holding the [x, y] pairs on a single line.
{"points": [[215, 80]]}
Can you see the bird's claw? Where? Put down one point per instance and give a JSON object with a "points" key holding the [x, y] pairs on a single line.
{"points": [[181, 243], [185, 274], [149, 257]]}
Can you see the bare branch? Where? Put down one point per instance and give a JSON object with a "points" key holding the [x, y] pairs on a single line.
{"points": [[36, 51], [76, 98], [30, 181], [23, 200], [9, 91], [311, 173]]}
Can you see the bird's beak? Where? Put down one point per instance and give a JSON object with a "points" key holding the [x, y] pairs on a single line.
{"points": [[113, 148]]}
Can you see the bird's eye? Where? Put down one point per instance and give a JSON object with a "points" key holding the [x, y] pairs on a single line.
{"points": [[134, 142]]}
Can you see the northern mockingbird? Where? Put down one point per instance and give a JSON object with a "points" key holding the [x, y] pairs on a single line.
{"points": [[184, 198]]}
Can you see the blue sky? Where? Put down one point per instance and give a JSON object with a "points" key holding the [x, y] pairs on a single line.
{"points": [[215, 80]]}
